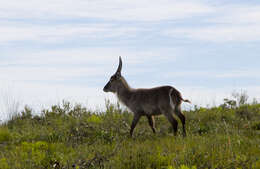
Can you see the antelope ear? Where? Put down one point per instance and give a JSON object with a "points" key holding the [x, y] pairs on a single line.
{"points": [[118, 72], [118, 75]]}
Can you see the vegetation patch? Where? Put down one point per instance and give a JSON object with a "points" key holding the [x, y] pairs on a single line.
{"points": [[70, 136]]}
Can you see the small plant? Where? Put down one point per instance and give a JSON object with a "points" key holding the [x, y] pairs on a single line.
{"points": [[5, 135], [186, 167], [256, 125], [4, 164], [230, 104], [94, 119], [241, 98], [26, 113], [238, 99]]}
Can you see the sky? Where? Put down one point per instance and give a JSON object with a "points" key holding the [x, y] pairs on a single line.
{"points": [[56, 50]]}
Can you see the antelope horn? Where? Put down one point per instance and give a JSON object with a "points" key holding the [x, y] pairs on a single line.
{"points": [[119, 66]]}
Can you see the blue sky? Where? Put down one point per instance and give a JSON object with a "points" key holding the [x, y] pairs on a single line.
{"points": [[54, 50]]}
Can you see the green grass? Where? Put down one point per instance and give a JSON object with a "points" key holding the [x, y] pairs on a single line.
{"points": [[73, 137]]}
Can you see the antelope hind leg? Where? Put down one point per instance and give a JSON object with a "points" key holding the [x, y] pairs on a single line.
{"points": [[151, 122], [173, 121], [182, 118]]}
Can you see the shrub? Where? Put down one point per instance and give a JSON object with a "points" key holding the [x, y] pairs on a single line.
{"points": [[248, 111], [5, 135], [26, 113]]}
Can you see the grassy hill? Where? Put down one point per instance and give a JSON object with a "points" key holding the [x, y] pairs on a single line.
{"points": [[71, 136]]}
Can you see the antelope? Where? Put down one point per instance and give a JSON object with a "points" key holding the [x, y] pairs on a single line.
{"points": [[150, 102]]}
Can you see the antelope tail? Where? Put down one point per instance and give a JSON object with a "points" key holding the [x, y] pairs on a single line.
{"points": [[186, 100]]}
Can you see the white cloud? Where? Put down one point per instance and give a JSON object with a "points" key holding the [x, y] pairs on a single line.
{"points": [[48, 74], [28, 12], [232, 23], [223, 33], [240, 74], [236, 14], [59, 65], [10, 31], [250, 73], [89, 55], [144, 10]]}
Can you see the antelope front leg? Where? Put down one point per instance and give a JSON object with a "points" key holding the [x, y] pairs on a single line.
{"points": [[134, 122]]}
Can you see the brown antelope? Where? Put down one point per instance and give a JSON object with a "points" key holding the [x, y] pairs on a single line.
{"points": [[147, 102]]}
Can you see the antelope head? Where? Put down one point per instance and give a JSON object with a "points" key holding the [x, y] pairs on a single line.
{"points": [[115, 80]]}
